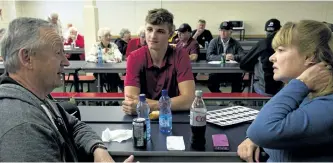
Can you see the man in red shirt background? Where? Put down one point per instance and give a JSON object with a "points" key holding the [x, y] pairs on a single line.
{"points": [[158, 66], [186, 42], [136, 43]]}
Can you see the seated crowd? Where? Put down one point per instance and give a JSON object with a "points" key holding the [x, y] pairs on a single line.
{"points": [[293, 64]]}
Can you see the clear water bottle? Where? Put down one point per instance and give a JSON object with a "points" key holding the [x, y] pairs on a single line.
{"points": [[198, 122], [99, 56], [165, 118], [143, 110]]}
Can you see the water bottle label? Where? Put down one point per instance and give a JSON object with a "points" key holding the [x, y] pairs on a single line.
{"points": [[165, 121], [197, 118]]}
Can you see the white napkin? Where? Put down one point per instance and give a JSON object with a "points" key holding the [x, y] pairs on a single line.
{"points": [[116, 135], [231, 61], [175, 143]]}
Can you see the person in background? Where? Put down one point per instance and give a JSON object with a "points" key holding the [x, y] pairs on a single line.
{"points": [[173, 40], [136, 43], [226, 46], [201, 34], [257, 60], [296, 124], [158, 66], [34, 128], [53, 18], [125, 37], [76, 39], [187, 43], [2, 32], [67, 32], [110, 53]]}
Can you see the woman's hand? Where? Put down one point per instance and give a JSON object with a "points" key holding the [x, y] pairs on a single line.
{"points": [[317, 76], [246, 150]]}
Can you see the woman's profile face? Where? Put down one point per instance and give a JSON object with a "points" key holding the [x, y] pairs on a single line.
{"points": [[288, 63]]}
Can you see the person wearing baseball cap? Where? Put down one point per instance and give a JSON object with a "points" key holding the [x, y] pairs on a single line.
{"points": [[272, 25], [226, 46], [186, 42], [257, 60]]}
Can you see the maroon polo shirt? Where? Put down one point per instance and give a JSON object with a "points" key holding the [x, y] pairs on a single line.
{"points": [[140, 72], [191, 47]]}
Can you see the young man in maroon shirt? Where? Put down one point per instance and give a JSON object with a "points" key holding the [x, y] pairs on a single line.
{"points": [[158, 66]]}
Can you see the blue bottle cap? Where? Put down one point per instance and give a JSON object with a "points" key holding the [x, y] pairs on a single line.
{"points": [[142, 97], [164, 92]]}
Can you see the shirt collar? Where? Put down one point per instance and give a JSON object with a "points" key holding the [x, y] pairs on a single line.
{"points": [[184, 45], [102, 46], [225, 42], [166, 59]]}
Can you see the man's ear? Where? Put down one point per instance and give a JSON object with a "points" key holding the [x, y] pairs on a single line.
{"points": [[25, 58]]}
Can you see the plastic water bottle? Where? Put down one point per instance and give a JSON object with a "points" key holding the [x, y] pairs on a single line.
{"points": [[198, 122], [165, 119], [99, 56], [206, 44], [143, 110]]}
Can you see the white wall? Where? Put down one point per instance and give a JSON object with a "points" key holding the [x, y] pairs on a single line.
{"points": [[8, 12], [131, 14]]}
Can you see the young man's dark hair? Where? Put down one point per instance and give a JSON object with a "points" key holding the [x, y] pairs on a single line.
{"points": [[160, 16]]}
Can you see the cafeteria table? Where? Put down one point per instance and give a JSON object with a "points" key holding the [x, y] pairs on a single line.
{"points": [[100, 118]]}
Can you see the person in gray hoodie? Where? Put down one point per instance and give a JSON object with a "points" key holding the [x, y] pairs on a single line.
{"points": [[34, 128], [226, 46]]}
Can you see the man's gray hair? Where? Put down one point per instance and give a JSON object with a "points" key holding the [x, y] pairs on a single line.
{"points": [[123, 32], [22, 33]]}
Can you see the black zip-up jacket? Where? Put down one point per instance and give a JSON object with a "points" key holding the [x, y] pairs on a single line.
{"points": [[263, 70]]}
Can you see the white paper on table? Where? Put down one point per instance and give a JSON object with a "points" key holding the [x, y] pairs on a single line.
{"points": [[116, 135], [175, 143], [110, 61], [219, 62], [231, 61], [214, 62]]}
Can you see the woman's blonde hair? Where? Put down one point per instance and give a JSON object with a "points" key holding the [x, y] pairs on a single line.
{"points": [[312, 39]]}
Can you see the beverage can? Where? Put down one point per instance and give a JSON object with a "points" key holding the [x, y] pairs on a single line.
{"points": [[222, 58], [139, 133]]}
